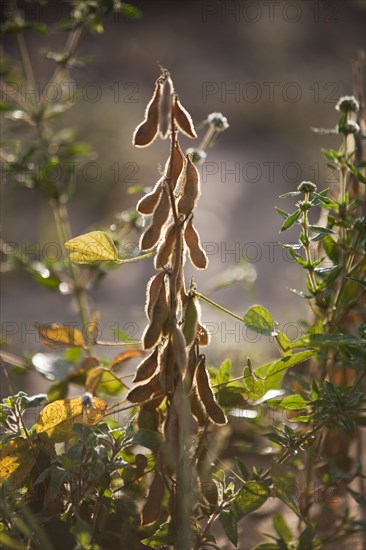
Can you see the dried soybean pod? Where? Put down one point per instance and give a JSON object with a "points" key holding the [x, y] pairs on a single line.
{"points": [[206, 394], [148, 419], [183, 119], [151, 509], [159, 314], [165, 247], [178, 165], [147, 203], [197, 408], [203, 337], [167, 367], [179, 344], [147, 367], [141, 393], [165, 106], [191, 189], [146, 132], [191, 316], [152, 292], [154, 402], [196, 253], [160, 216], [191, 368]]}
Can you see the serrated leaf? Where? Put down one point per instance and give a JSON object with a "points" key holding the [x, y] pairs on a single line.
{"points": [[56, 335], [55, 422], [259, 319], [290, 221], [16, 461], [96, 246]]}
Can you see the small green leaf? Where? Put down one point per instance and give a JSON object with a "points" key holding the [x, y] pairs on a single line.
{"points": [[249, 498], [290, 194], [290, 221], [326, 201], [96, 246], [259, 319], [223, 374], [294, 403], [161, 538], [283, 343], [229, 523], [319, 229], [358, 175], [359, 282], [280, 524], [147, 438], [282, 213], [331, 248]]}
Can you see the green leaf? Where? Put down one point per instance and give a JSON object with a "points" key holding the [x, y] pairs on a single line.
{"points": [[290, 221], [319, 229], [331, 248], [294, 403], [223, 374], [280, 524], [358, 175], [326, 201], [229, 523], [282, 213], [306, 538], [249, 498], [283, 343], [147, 438], [271, 374], [96, 246], [259, 319], [163, 537], [290, 194], [300, 293]]}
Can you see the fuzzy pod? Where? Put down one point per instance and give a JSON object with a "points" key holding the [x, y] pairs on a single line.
{"points": [[152, 292], [191, 368], [148, 419], [179, 344], [166, 247], [152, 506], [148, 202], [165, 107], [191, 188], [196, 253], [147, 131], [143, 392], [159, 315], [160, 216], [154, 402], [191, 318], [178, 165], [213, 410], [167, 371], [183, 119], [147, 367], [197, 408]]}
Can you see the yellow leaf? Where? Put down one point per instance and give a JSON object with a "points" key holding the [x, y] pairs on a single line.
{"points": [[125, 355], [55, 335], [16, 461], [56, 420], [96, 246]]}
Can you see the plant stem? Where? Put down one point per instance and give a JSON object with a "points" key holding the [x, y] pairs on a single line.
{"points": [[25, 59], [306, 242], [217, 306]]}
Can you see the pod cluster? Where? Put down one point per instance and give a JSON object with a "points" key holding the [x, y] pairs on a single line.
{"points": [[174, 369]]}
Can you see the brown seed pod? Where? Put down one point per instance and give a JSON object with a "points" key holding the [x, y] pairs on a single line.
{"points": [[154, 402], [197, 408], [152, 292], [178, 165], [141, 393], [191, 189], [206, 394], [159, 315], [165, 107], [191, 368], [166, 246], [147, 203], [146, 132], [147, 367], [191, 317], [148, 419], [167, 371], [160, 216], [203, 336], [196, 253], [179, 344], [183, 119], [152, 507]]}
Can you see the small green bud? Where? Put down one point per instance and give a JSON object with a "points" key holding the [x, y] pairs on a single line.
{"points": [[218, 121], [307, 187], [198, 155], [304, 205], [348, 127], [347, 104]]}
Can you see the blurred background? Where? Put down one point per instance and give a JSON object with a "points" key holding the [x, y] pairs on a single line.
{"points": [[274, 69]]}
